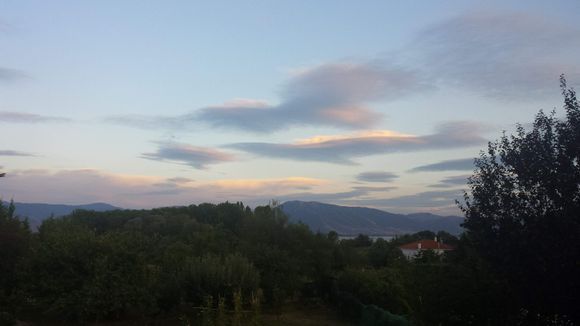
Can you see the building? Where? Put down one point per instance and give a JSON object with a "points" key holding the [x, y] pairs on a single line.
{"points": [[410, 250]]}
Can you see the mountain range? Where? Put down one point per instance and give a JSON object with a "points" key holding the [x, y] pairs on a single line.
{"points": [[318, 216], [36, 213], [362, 220]]}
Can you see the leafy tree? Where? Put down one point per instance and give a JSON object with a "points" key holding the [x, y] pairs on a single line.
{"points": [[362, 240], [523, 211], [383, 253], [14, 242], [383, 288]]}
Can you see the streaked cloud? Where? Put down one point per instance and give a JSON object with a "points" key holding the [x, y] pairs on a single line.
{"points": [[18, 117], [138, 191], [8, 75], [376, 176], [331, 95], [336, 94], [440, 201], [453, 181], [182, 123], [464, 164], [194, 156], [342, 197], [14, 153], [499, 54], [252, 184], [70, 186], [344, 148], [180, 180]]}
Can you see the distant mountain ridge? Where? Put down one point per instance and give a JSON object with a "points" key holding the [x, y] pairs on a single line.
{"points": [[356, 220], [318, 216], [36, 212]]}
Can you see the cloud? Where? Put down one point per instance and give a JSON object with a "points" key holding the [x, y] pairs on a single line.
{"points": [[136, 191], [152, 122], [180, 180], [335, 95], [499, 54], [17, 117], [338, 197], [194, 156], [14, 153], [376, 176], [440, 201], [331, 95], [464, 164], [342, 149], [453, 181], [9, 75]]}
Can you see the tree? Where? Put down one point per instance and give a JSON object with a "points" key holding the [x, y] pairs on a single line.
{"points": [[523, 211], [14, 241]]}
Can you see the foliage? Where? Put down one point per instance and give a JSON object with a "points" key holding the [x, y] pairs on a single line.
{"points": [[522, 212], [375, 316], [199, 263], [383, 253], [383, 288], [14, 243]]}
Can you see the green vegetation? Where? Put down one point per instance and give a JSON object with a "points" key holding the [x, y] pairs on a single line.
{"points": [[227, 265], [523, 213]]}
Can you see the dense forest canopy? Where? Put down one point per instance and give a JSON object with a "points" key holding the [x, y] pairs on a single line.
{"points": [[151, 264]]}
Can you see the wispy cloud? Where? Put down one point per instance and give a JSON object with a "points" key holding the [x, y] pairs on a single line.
{"points": [[497, 54], [194, 156], [464, 164], [344, 148], [18, 117], [276, 184], [180, 180], [136, 191], [181, 123], [376, 176], [8, 75], [336, 94], [337, 197], [440, 201], [453, 181], [14, 153], [330, 94]]}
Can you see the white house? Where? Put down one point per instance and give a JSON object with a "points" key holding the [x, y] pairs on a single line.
{"points": [[410, 250]]}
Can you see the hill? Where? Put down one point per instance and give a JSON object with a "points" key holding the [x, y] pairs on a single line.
{"points": [[355, 220], [36, 213], [318, 216]]}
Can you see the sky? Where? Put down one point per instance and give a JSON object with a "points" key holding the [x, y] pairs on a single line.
{"points": [[381, 104]]}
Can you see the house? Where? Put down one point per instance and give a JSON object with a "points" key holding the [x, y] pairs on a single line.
{"points": [[410, 250]]}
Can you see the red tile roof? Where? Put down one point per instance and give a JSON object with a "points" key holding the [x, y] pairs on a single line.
{"points": [[427, 244]]}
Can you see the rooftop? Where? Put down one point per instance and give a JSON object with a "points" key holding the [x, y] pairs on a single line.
{"points": [[427, 244]]}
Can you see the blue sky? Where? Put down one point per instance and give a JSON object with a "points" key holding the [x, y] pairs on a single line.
{"points": [[374, 103]]}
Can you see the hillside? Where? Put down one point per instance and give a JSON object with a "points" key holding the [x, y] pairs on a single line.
{"points": [[354, 220], [36, 213], [318, 216]]}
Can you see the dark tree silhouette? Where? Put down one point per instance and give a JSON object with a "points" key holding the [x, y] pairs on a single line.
{"points": [[523, 211]]}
